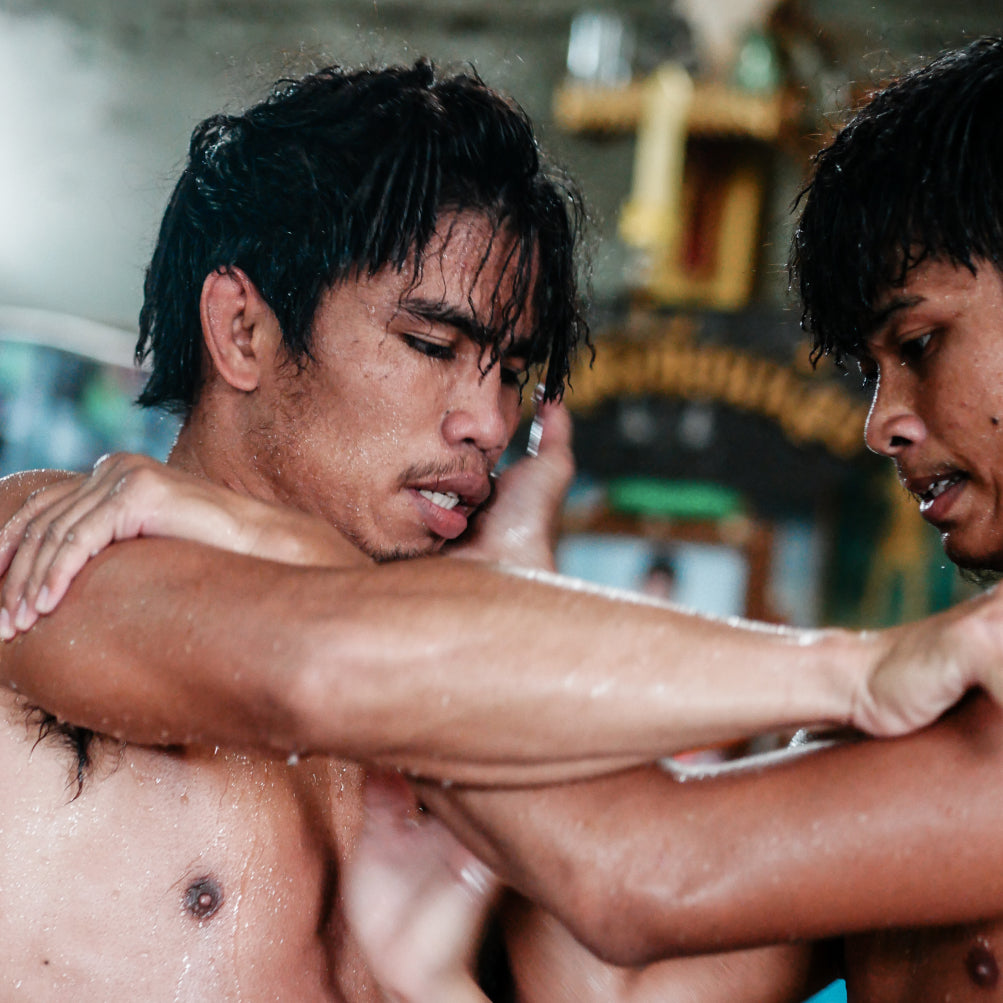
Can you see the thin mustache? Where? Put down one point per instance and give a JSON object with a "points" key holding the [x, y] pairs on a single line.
{"points": [[442, 471]]}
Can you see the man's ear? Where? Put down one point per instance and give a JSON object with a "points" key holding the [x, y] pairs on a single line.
{"points": [[241, 332]]}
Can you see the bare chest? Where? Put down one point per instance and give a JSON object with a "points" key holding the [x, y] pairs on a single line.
{"points": [[184, 876], [956, 964]]}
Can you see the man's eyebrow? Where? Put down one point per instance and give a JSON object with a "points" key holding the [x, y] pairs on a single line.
{"points": [[889, 310], [466, 323], [438, 312]]}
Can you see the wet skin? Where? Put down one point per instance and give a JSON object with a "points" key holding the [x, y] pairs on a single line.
{"points": [[937, 412], [960, 964], [194, 874], [191, 875], [399, 401], [937, 366]]}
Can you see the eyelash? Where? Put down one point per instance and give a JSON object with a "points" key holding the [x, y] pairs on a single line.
{"points": [[431, 349], [914, 349], [436, 350], [515, 377], [910, 350]]}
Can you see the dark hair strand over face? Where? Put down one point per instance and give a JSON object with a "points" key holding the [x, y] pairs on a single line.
{"points": [[917, 173], [343, 173]]}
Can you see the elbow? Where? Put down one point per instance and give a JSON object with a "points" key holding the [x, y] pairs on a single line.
{"points": [[623, 923]]}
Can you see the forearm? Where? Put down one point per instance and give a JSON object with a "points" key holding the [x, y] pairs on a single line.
{"points": [[641, 866], [412, 664], [532, 670], [549, 966]]}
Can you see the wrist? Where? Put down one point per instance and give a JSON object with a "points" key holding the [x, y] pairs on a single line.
{"points": [[866, 653], [847, 660]]}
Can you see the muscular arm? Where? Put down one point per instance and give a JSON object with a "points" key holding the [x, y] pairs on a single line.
{"points": [[450, 668], [642, 866], [550, 966], [435, 665]]}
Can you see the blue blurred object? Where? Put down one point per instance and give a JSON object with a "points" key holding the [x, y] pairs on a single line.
{"points": [[66, 395], [835, 993]]}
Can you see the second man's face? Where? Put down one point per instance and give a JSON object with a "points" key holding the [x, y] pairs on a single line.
{"points": [[936, 363]]}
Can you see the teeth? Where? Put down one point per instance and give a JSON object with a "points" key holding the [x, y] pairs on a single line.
{"points": [[936, 489], [939, 488], [447, 500]]}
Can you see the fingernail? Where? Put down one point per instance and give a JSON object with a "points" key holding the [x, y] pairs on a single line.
{"points": [[42, 600], [6, 630], [21, 619]]}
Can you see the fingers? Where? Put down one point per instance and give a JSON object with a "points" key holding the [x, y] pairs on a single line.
{"points": [[116, 503], [65, 537], [520, 525], [21, 539], [12, 534], [59, 529], [555, 452], [556, 428]]}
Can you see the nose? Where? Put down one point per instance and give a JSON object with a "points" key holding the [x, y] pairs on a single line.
{"points": [[892, 422], [484, 411]]}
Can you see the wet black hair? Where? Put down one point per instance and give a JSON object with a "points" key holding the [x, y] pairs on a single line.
{"points": [[916, 173], [343, 173]]}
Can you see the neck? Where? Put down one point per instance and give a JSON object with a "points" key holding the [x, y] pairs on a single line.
{"points": [[210, 446]]}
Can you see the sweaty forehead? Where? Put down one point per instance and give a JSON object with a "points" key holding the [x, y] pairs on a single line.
{"points": [[472, 266]]}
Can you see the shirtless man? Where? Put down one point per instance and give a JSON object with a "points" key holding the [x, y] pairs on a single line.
{"points": [[346, 335], [351, 281], [898, 257]]}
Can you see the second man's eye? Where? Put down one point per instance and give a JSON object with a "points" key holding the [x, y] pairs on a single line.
{"points": [[914, 349]]}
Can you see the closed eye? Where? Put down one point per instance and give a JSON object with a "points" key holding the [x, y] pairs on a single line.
{"points": [[514, 373], [432, 349]]}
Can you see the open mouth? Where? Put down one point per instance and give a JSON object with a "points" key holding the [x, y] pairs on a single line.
{"points": [[444, 499], [935, 489]]}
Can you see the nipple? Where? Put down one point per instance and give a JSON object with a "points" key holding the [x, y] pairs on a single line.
{"points": [[203, 898], [982, 966]]}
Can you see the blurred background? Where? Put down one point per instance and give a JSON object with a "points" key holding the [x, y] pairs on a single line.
{"points": [[716, 465]]}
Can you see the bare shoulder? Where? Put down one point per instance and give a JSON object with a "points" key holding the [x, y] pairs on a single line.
{"points": [[16, 489]]}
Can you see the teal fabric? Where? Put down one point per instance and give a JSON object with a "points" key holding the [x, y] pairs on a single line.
{"points": [[835, 993]]}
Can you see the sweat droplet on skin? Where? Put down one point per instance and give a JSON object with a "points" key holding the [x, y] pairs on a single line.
{"points": [[982, 967]]}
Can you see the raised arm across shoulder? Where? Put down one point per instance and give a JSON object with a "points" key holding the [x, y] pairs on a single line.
{"points": [[417, 663], [61, 525]]}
